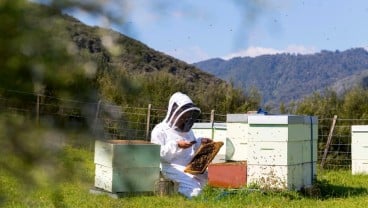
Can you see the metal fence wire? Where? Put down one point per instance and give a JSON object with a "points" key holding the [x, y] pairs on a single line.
{"points": [[109, 121]]}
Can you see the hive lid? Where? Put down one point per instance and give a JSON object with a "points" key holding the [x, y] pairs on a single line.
{"points": [[126, 142], [282, 119], [359, 128], [203, 157], [237, 118], [202, 125], [208, 125], [219, 125]]}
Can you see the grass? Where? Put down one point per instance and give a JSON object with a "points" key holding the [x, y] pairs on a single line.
{"points": [[37, 172], [40, 187]]}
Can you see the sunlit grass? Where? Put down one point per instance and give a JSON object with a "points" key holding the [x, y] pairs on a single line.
{"points": [[337, 189], [62, 176]]}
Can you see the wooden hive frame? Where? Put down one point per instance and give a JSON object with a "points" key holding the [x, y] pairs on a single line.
{"points": [[203, 157]]}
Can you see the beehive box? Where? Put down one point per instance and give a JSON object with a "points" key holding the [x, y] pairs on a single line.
{"points": [[216, 132], [129, 166], [359, 149], [228, 174], [237, 137], [203, 130], [282, 151], [292, 177]]}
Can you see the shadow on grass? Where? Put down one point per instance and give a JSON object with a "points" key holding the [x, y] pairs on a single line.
{"points": [[322, 189]]}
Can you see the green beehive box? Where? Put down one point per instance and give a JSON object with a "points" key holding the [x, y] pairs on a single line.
{"points": [[126, 166]]}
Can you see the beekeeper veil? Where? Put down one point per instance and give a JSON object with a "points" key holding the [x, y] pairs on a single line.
{"points": [[181, 113]]}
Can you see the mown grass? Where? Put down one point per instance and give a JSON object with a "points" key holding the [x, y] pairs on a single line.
{"points": [[41, 187], [37, 173]]}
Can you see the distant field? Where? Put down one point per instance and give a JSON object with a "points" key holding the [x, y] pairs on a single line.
{"points": [[64, 180]]}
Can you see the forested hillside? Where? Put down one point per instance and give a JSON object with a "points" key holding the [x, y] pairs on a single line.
{"points": [[284, 78], [53, 54]]}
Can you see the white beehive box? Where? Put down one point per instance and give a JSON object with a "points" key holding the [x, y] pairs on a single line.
{"points": [[281, 176], [237, 137], [219, 135], [203, 130], [282, 150], [359, 149], [216, 132], [123, 166]]}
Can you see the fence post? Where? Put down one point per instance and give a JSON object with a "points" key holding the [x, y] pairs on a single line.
{"points": [[96, 116], [212, 123], [95, 124], [328, 141], [148, 122]]}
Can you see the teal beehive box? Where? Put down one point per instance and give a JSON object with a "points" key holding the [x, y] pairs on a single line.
{"points": [[126, 166]]}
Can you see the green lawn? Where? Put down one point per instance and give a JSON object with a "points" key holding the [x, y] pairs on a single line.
{"points": [[51, 168], [67, 179]]}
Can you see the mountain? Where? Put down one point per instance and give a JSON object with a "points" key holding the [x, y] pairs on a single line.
{"points": [[283, 78], [153, 75], [359, 79], [133, 56], [50, 53]]}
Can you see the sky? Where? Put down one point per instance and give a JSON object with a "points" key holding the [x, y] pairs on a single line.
{"points": [[198, 30]]}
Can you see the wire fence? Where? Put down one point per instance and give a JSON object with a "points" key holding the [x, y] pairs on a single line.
{"points": [[109, 121]]}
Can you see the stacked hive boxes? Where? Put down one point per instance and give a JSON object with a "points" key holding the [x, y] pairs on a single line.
{"points": [[359, 149], [124, 166], [216, 132], [280, 150]]}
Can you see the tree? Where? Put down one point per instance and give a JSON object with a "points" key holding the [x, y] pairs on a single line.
{"points": [[355, 103], [32, 60], [325, 104]]}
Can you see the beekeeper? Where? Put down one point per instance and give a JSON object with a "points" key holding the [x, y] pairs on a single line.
{"points": [[178, 144]]}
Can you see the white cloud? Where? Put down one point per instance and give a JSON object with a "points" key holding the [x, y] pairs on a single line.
{"points": [[258, 51]]}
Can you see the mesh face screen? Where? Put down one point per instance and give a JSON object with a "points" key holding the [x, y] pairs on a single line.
{"points": [[186, 119]]}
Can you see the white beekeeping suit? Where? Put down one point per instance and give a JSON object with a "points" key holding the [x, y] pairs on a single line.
{"points": [[173, 131]]}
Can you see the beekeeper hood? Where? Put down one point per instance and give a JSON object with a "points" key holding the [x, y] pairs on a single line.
{"points": [[181, 112]]}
